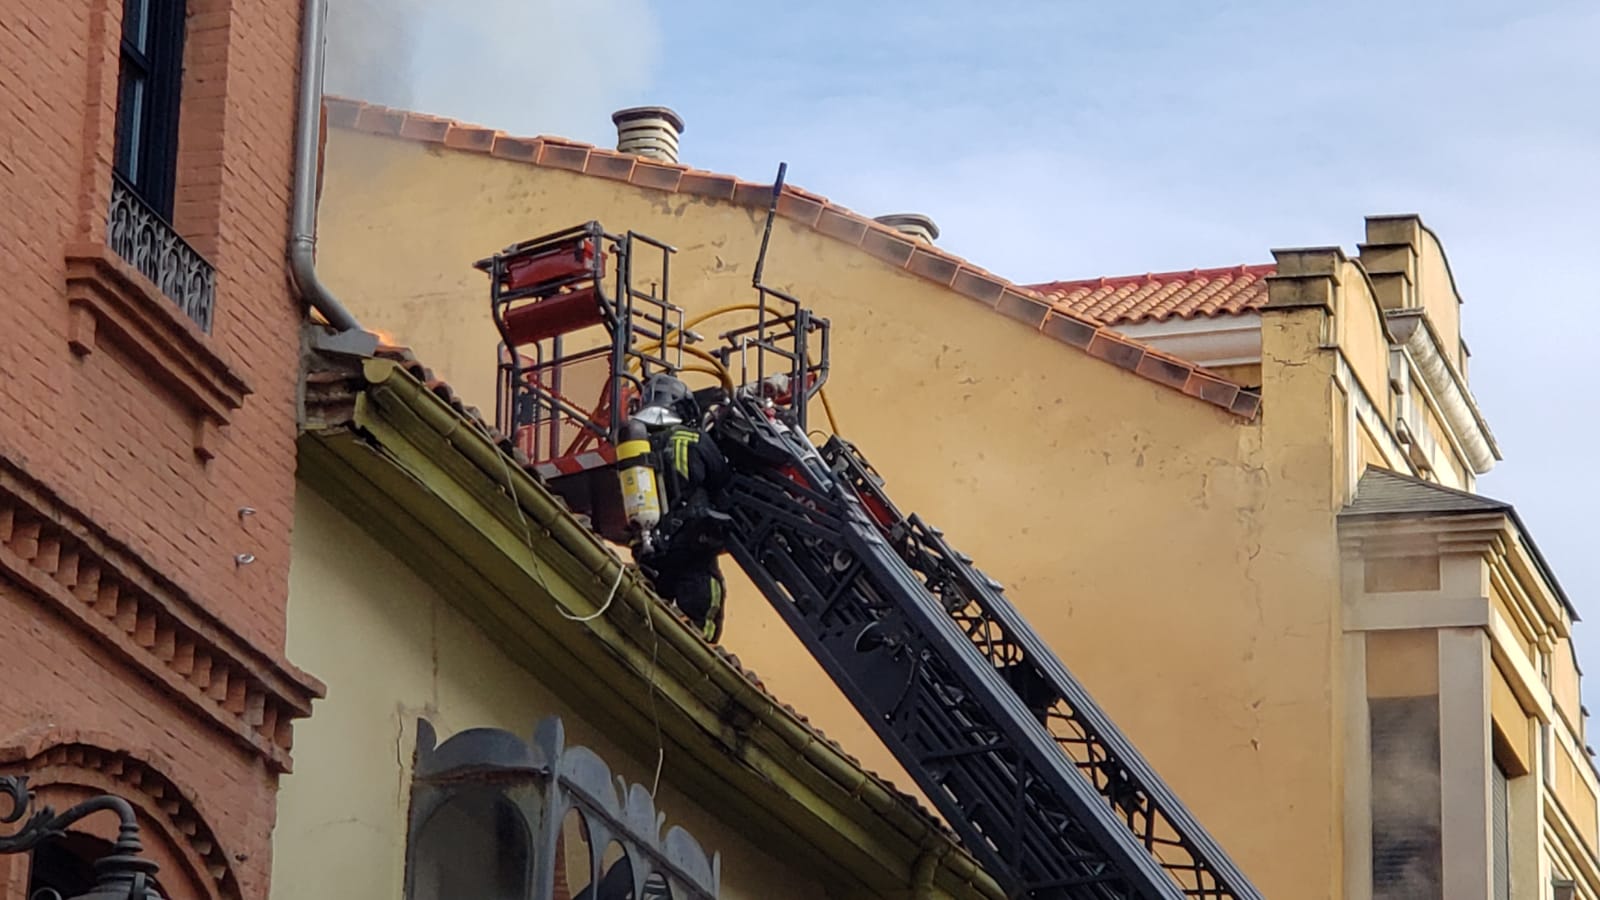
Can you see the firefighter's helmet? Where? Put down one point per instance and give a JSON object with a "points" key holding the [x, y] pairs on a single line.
{"points": [[664, 401]]}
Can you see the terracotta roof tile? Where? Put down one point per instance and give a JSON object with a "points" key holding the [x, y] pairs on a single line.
{"points": [[1074, 313], [936, 267], [514, 148], [1157, 297], [887, 245], [616, 166], [804, 210], [653, 175], [562, 156], [1069, 329], [466, 137], [706, 184], [1030, 310], [425, 128], [841, 225]]}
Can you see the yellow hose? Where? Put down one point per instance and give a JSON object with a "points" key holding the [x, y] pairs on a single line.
{"points": [[721, 372], [822, 393], [720, 311], [704, 370], [716, 367]]}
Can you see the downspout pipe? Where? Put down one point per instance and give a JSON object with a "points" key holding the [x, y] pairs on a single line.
{"points": [[303, 240]]}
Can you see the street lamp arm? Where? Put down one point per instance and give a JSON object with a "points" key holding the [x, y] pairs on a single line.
{"points": [[124, 873]]}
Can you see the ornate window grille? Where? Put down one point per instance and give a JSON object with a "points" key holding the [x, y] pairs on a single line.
{"points": [[142, 237], [515, 804]]}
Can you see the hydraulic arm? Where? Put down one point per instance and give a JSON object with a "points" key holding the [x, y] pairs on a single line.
{"points": [[1037, 782], [1035, 779]]}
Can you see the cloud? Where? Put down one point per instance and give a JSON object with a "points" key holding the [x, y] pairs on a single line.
{"points": [[526, 66]]}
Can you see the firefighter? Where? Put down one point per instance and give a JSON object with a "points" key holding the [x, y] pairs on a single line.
{"points": [[681, 554]]}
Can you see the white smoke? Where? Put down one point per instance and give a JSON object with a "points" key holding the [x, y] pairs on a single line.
{"points": [[525, 66]]}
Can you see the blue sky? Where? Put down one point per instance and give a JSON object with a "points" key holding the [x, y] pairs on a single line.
{"points": [[1062, 139]]}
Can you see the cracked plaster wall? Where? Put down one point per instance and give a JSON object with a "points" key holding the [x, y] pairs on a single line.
{"points": [[391, 651], [1181, 562]]}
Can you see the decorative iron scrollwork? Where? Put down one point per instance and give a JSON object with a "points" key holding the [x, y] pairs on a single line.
{"points": [[125, 873], [39, 826], [140, 236], [545, 778]]}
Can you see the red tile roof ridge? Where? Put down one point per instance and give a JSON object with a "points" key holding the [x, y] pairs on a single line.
{"points": [[1027, 305], [1158, 296], [1257, 270]]}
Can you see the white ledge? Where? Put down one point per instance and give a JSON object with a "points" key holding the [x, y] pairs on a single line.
{"points": [[1205, 340]]}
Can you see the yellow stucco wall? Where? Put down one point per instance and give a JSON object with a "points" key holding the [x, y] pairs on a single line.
{"points": [[391, 651], [1516, 727], [1437, 295], [1360, 335], [1564, 683], [1130, 523]]}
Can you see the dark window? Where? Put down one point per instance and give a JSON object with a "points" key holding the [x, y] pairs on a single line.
{"points": [[64, 866], [1407, 861], [148, 86], [475, 845], [1500, 802]]}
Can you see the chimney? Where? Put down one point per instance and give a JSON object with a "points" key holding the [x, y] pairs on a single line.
{"points": [[650, 131], [916, 225]]}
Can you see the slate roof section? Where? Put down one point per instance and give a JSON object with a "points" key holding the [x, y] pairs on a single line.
{"points": [[925, 261], [1160, 296], [1384, 494]]}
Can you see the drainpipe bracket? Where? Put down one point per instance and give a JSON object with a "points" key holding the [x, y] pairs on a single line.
{"points": [[350, 342]]}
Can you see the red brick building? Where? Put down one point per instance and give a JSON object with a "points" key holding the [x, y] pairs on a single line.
{"points": [[147, 424]]}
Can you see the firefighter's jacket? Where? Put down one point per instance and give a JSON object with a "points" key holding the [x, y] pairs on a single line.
{"points": [[693, 472]]}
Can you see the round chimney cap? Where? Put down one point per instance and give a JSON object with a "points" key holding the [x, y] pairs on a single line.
{"points": [[634, 113], [911, 223]]}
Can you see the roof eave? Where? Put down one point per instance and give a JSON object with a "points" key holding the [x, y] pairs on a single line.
{"points": [[436, 470]]}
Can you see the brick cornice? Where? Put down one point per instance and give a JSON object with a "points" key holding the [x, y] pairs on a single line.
{"points": [[105, 589]]}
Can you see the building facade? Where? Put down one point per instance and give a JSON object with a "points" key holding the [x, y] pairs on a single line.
{"points": [[1466, 768], [147, 430], [1178, 499]]}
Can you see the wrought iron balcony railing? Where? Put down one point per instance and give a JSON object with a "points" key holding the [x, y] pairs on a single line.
{"points": [[140, 236]]}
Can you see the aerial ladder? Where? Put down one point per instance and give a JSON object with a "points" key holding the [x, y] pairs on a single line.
{"points": [[1034, 778]]}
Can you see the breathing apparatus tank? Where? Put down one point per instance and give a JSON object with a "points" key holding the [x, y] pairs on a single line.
{"points": [[641, 499]]}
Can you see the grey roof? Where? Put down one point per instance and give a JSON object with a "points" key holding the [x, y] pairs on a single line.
{"points": [[1381, 492]]}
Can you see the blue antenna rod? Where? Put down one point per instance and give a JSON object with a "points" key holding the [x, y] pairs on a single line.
{"points": [[766, 235]]}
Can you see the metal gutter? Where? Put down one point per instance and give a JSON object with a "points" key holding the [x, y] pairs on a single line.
{"points": [[303, 239], [1412, 330], [549, 519]]}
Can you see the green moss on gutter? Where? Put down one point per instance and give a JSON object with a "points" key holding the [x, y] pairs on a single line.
{"points": [[431, 482]]}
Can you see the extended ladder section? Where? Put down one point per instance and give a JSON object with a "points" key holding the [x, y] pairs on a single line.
{"points": [[1036, 780]]}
